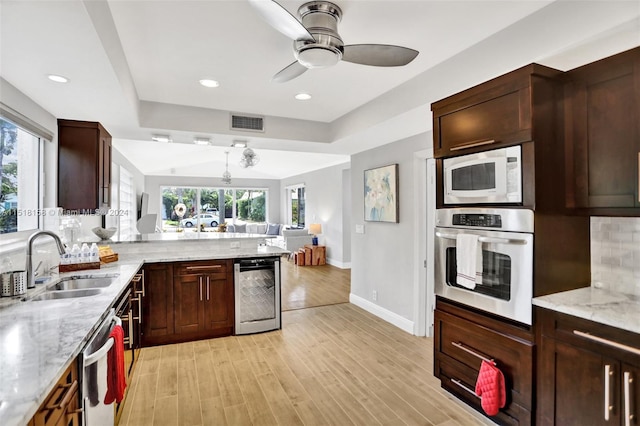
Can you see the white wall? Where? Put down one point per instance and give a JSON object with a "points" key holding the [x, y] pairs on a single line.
{"points": [[325, 191], [385, 258], [152, 186]]}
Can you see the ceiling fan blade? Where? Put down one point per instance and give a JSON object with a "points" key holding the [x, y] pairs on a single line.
{"points": [[289, 73], [280, 19], [378, 55]]}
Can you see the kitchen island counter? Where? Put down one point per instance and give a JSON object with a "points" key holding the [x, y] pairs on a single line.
{"points": [[40, 339], [596, 304]]}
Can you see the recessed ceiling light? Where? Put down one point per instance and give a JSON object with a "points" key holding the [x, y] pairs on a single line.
{"points": [[161, 138], [58, 78], [209, 83], [239, 144], [202, 141], [303, 96]]}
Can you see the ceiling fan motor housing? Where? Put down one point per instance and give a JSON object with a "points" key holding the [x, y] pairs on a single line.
{"points": [[321, 19]]}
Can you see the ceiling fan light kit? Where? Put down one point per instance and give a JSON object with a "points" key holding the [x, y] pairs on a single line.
{"points": [[249, 158], [317, 43], [226, 176]]}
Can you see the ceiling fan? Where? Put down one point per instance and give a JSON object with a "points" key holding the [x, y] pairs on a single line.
{"points": [[317, 43]]}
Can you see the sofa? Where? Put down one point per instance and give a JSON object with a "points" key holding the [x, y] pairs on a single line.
{"points": [[283, 237], [291, 239]]}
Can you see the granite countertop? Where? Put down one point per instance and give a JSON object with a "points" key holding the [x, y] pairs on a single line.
{"points": [[596, 304], [40, 339], [177, 236]]}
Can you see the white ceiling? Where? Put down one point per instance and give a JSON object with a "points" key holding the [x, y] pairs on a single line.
{"points": [[135, 65]]}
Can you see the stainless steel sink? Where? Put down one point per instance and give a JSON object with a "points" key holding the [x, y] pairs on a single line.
{"points": [[77, 283], [67, 294]]}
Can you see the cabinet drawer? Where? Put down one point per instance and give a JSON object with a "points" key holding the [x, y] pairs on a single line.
{"points": [[62, 402], [460, 380], [465, 342], [597, 337], [201, 267]]}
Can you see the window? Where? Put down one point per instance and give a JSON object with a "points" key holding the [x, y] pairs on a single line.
{"points": [[126, 212], [20, 172], [296, 205], [208, 207]]}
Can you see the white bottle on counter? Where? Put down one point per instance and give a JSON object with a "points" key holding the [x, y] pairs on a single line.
{"points": [[75, 254], [85, 254], [94, 253]]}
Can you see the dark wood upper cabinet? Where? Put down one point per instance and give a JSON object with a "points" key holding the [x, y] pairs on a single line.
{"points": [[499, 112], [84, 165], [602, 135]]}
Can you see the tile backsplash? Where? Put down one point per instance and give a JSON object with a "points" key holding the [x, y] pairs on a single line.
{"points": [[615, 253]]}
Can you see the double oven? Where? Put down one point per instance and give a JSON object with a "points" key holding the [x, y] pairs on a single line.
{"points": [[482, 195]]}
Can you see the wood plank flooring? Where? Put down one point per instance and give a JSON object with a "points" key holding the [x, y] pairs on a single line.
{"points": [[329, 365], [310, 286]]}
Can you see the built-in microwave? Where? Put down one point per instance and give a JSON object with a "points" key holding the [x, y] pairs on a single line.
{"points": [[488, 177]]}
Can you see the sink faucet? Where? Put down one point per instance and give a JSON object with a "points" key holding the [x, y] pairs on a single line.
{"points": [[61, 249]]}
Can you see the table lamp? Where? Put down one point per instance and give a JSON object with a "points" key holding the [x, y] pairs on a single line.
{"points": [[315, 229]]}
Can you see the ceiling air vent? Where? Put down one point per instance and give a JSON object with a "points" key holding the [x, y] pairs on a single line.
{"points": [[252, 123]]}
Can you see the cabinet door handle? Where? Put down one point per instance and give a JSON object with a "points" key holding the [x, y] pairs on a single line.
{"points": [[71, 388], [208, 285], [130, 329], [639, 177], [203, 268], [628, 415], [472, 144], [474, 353], [607, 342], [461, 385], [608, 372], [200, 284]]}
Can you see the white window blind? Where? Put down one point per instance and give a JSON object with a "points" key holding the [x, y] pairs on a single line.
{"points": [[127, 212]]}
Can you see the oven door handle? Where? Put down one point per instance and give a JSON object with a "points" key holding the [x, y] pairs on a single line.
{"points": [[490, 240]]}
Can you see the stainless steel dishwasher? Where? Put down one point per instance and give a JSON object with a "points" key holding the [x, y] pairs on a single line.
{"points": [[94, 374], [257, 294]]}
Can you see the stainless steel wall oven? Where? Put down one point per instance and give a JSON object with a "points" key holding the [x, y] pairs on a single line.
{"points": [[504, 277]]}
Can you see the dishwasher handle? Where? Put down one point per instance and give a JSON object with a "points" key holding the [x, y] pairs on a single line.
{"points": [[100, 353]]}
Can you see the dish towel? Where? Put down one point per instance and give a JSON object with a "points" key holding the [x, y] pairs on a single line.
{"points": [[490, 387], [92, 378], [116, 380], [468, 260]]}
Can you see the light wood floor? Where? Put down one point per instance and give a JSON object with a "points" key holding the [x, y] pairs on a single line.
{"points": [[330, 365], [310, 286]]}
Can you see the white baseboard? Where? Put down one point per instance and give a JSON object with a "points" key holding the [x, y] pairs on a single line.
{"points": [[390, 317], [337, 264]]}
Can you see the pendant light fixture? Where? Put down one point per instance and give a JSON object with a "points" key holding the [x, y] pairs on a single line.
{"points": [[226, 176], [249, 158]]}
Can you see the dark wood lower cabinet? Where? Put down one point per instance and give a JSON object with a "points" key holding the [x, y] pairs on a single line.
{"points": [[62, 405], [158, 316], [187, 301], [462, 337], [582, 380], [204, 298]]}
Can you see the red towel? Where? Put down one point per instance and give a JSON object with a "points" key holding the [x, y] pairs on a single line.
{"points": [[116, 379], [490, 386]]}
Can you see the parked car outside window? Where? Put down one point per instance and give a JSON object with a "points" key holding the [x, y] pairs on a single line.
{"points": [[206, 219]]}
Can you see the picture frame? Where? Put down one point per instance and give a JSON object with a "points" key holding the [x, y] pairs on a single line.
{"points": [[381, 194]]}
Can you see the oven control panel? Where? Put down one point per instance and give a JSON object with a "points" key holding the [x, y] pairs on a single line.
{"points": [[479, 220]]}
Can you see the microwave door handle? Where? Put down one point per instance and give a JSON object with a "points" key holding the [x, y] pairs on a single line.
{"points": [[516, 241]]}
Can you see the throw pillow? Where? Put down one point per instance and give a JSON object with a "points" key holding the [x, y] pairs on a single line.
{"points": [[241, 228], [273, 229]]}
